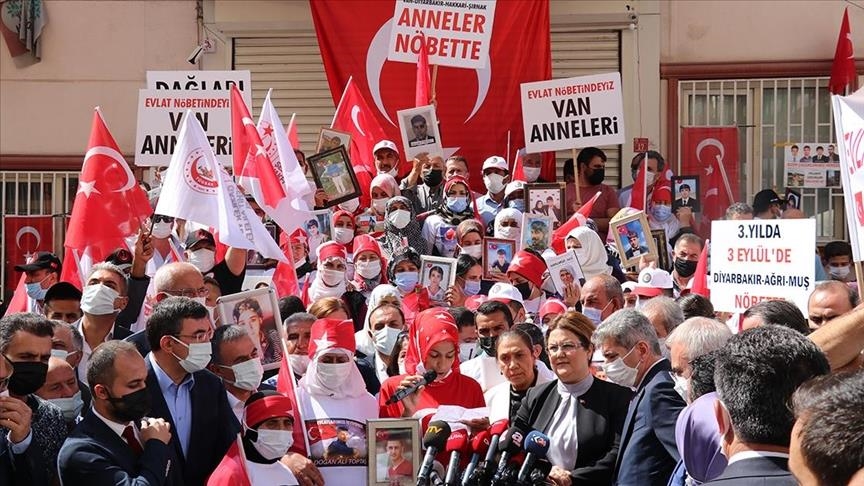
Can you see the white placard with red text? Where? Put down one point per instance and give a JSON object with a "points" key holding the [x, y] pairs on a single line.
{"points": [[849, 125], [458, 33], [758, 260]]}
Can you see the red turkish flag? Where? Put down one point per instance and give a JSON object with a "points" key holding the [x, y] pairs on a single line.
{"points": [[578, 219], [475, 107], [518, 173], [700, 278], [109, 208], [354, 116], [423, 91], [843, 69], [292, 133], [712, 153], [24, 236], [287, 385]]}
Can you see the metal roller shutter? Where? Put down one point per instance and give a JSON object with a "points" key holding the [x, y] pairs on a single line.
{"points": [[292, 66], [580, 53]]}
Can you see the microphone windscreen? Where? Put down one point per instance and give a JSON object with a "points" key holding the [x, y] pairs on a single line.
{"points": [[511, 440], [480, 443], [537, 443], [436, 435], [457, 441], [499, 427], [430, 376]]}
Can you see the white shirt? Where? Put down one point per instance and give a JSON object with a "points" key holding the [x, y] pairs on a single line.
{"points": [[270, 474], [484, 369], [117, 428], [86, 352], [752, 454], [498, 397], [237, 406]]}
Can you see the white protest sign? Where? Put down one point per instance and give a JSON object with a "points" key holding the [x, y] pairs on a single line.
{"points": [[575, 112], [458, 33], [758, 260], [169, 94], [849, 125]]}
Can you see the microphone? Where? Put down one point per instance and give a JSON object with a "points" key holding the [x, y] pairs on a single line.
{"points": [[497, 428], [509, 447], [479, 448], [433, 441], [536, 445], [428, 377], [457, 443]]}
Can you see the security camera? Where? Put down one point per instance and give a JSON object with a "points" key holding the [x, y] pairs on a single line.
{"points": [[195, 55]]}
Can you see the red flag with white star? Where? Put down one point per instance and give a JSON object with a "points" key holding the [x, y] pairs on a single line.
{"points": [[843, 68], [109, 208]]}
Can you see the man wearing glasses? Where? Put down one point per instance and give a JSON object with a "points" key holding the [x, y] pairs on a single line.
{"points": [[191, 399]]}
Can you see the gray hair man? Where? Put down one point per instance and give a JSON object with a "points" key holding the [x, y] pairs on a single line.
{"points": [[695, 337], [601, 296], [647, 454], [665, 315], [235, 360]]}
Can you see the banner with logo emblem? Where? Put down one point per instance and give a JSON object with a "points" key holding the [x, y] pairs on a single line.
{"points": [[23, 237], [712, 153], [849, 124], [476, 106]]}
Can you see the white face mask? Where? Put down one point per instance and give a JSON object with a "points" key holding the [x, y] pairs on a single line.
{"points": [[369, 269], [682, 386], [204, 259], [332, 277], [467, 351], [71, 407], [839, 272], [162, 230], [595, 315], [199, 356], [509, 233], [475, 251], [399, 218], [273, 444], [350, 205], [494, 183], [663, 349], [299, 363], [385, 339], [247, 375], [343, 235], [59, 353], [620, 373], [531, 173], [333, 374], [649, 177], [379, 205], [98, 300]]}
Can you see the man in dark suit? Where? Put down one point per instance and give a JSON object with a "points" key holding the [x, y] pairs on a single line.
{"points": [[685, 201], [109, 446], [186, 395], [756, 374], [18, 467], [648, 452], [635, 248]]}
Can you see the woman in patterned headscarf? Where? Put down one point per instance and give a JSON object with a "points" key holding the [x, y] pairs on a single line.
{"points": [[440, 226], [401, 228]]}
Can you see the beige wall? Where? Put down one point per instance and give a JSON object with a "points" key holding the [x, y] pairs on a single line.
{"points": [[94, 53], [761, 30]]}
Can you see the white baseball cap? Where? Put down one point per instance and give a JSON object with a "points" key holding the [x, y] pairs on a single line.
{"points": [[495, 162], [652, 282], [513, 186], [384, 144], [504, 292], [628, 286]]}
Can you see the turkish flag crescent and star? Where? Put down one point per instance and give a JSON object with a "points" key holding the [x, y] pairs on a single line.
{"points": [[109, 208], [475, 107], [25, 236], [712, 153]]}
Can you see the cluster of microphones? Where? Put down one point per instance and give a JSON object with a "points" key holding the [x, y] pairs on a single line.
{"points": [[522, 459]]}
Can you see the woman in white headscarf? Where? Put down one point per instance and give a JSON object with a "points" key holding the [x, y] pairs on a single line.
{"points": [[384, 293], [335, 405], [508, 225], [589, 250]]}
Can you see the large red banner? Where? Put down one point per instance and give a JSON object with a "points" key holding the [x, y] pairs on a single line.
{"points": [[476, 107], [23, 236], [712, 154]]}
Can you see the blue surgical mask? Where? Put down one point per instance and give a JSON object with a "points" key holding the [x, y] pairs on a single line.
{"points": [[593, 314], [457, 204], [661, 212], [406, 281], [517, 204], [472, 287], [35, 290]]}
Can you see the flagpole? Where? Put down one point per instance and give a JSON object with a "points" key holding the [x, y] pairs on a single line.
{"points": [[645, 183], [508, 149], [576, 176], [341, 100], [434, 99], [722, 169]]}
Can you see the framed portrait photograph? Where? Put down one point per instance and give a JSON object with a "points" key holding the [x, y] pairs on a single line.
{"points": [[394, 452], [546, 200], [497, 255], [437, 274], [633, 239], [536, 232], [257, 310], [332, 171], [257, 261], [793, 198], [329, 139], [564, 269], [685, 193], [662, 243], [318, 231], [419, 130]]}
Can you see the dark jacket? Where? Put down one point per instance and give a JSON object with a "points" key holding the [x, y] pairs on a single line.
{"points": [[25, 469], [94, 454], [599, 418], [648, 451], [764, 471]]}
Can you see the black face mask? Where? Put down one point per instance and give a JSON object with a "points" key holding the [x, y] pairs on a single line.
{"points": [[131, 407], [489, 345], [524, 289], [27, 377], [433, 177], [597, 176], [685, 268]]}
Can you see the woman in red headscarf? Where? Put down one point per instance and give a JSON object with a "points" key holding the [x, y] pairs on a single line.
{"points": [[433, 344], [370, 270], [342, 229]]}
